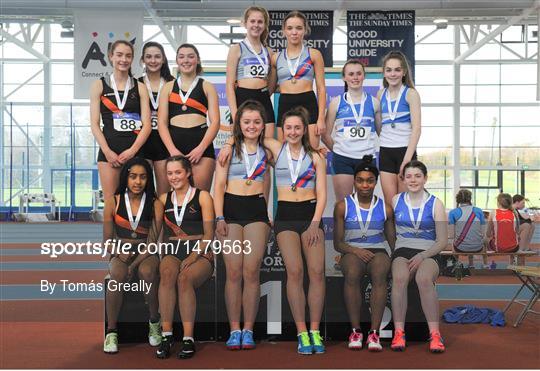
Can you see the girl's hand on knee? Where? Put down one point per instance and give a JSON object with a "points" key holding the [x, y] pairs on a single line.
{"points": [[415, 262], [364, 255]]}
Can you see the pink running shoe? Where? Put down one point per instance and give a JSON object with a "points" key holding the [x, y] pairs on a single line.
{"points": [[373, 343], [355, 340]]}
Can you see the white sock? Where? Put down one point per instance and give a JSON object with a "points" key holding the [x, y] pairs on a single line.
{"points": [[188, 338], [166, 333]]}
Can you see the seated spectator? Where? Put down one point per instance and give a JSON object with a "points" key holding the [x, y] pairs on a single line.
{"points": [[467, 226], [503, 225], [526, 225]]}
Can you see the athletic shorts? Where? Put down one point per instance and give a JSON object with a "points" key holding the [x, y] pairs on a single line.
{"points": [[182, 248], [345, 165], [408, 253], [295, 216], [244, 210], [468, 251], [306, 100], [492, 247], [261, 96], [390, 159], [119, 145], [154, 149], [186, 139]]}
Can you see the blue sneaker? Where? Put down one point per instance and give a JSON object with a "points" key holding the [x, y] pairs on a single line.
{"points": [[304, 344], [247, 340], [316, 340], [235, 340]]}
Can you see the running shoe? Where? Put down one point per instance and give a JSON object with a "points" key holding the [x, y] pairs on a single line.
{"points": [[316, 340], [436, 344], [373, 343], [355, 340], [187, 350], [164, 350], [398, 342], [304, 343], [111, 343], [154, 333], [235, 340], [247, 340]]}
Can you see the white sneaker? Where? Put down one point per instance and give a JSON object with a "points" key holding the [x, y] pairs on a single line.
{"points": [[154, 333], [110, 345]]}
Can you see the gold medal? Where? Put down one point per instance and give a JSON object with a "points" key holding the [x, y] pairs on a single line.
{"points": [[184, 108], [293, 80], [248, 182]]}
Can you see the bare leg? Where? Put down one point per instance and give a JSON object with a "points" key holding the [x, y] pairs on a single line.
{"points": [[353, 269], [290, 247], [233, 282], [400, 282], [343, 185], [148, 270], [118, 272], [427, 274], [162, 185], [109, 178], [317, 285], [378, 268], [168, 271], [389, 183], [203, 173]]}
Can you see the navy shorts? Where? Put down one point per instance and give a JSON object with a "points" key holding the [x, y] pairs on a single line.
{"points": [[345, 165]]}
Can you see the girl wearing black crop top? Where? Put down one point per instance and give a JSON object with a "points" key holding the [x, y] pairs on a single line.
{"points": [[133, 215], [156, 74], [122, 104], [188, 116], [188, 221]]}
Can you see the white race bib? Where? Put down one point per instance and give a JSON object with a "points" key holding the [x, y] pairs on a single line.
{"points": [[255, 70], [153, 119], [127, 122], [355, 132]]}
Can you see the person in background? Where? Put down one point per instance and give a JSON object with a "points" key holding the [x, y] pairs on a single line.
{"points": [[467, 226], [503, 226], [526, 225]]}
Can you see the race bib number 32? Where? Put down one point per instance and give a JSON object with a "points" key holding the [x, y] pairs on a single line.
{"points": [[127, 122], [255, 70]]}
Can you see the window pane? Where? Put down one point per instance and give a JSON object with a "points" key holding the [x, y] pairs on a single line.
{"points": [[436, 94], [437, 116], [434, 75], [526, 115], [480, 94], [479, 74], [518, 93], [479, 116]]}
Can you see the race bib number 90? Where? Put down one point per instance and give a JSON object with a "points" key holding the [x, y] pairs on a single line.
{"points": [[127, 122], [154, 120], [255, 70], [355, 132]]}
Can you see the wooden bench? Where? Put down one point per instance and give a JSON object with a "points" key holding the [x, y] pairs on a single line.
{"points": [[519, 256]]}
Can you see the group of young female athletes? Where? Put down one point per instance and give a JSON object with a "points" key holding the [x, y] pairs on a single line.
{"points": [[163, 127]]}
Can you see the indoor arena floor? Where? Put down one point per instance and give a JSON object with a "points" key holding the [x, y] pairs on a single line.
{"points": [[58, 331]]}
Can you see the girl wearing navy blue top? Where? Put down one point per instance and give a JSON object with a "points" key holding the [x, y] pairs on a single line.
{"points": [[296, 67], [351, 132], [188, 116], [248, 67], [399, 124], [122, 104], [364, 234], [242, 215], [133, 215], [156, 74], [422, 233]]}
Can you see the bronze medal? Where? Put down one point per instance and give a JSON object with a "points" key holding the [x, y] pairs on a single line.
{"points": [[248, 182]]}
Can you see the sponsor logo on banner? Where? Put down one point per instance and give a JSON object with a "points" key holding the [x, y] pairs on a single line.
{"points": [[94, 34], [321, 23], [372, 34]]}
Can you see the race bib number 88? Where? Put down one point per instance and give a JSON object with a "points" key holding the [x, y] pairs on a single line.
{"points": [[127, 122]]}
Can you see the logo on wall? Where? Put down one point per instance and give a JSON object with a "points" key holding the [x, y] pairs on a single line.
{"points": [[94, 51]]}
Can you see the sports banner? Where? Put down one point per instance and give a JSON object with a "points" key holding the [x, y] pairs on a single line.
{"points": [[94, 32], [321, 23], [372, 34]]}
